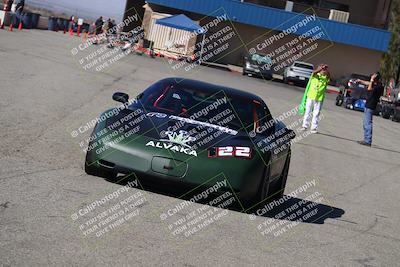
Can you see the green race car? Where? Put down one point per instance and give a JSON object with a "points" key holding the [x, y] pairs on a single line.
{"points": [[182, 133]]}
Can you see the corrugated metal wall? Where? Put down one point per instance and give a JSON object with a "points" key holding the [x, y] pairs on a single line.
{"points": [[271, 18]]}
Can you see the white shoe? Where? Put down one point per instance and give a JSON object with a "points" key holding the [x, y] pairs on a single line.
{"points": [[303, 129], [314, 131]]}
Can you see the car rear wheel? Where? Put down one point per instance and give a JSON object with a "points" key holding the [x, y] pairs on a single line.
{"points": [[264, 189], [339, 100], [385, 112], [277, 189], [91, 169]]}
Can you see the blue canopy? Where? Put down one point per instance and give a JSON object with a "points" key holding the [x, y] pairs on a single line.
{"points": [[180, 22]]}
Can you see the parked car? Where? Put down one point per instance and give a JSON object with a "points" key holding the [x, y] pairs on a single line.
{"points": [[298, 72], [258, 65]]}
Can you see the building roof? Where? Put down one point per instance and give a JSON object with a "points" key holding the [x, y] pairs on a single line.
{"points": [[180, 22], [278, 19]]}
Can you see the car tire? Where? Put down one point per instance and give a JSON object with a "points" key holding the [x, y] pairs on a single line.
{"points": [[90, 169], [339, 100], [244, 73], [276, 191], [385, 112], [264, 186]]}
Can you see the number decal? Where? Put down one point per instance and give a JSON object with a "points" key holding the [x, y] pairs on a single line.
{"points": [[225, 151], [242, 151], [230, 151]]}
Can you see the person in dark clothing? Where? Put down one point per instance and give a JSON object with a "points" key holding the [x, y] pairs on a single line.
{"points": [[99, 25], [18, 12], [20, 6], [111, 25], [374, 92]]}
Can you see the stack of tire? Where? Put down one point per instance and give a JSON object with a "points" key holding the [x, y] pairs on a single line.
{"points": [[52, 24]]}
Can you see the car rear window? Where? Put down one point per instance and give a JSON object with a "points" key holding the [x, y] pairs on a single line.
{"points": [[359, 76], [189, 102], [304, 66]]}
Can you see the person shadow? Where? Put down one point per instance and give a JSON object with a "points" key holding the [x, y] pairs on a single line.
{"points": [[288, 208], [355, 141]]}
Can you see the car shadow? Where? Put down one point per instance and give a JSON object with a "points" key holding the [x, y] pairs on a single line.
{"points": [[320, 212], [283, 211]]}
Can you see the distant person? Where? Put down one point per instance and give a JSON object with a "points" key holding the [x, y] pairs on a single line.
{"points": [[374, 92], [20, 4], [19, 7], [99, 25], [111, 25], [315, 94], [8, 5]]}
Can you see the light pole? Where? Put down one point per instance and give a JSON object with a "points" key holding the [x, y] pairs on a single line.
{"points": [[398, 68]]}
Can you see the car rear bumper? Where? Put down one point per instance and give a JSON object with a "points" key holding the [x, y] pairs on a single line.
{"points": [[243, 183], [257, 72]]}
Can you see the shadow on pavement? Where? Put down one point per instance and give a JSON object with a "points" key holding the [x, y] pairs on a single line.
{"points": [[317, 212], [351, 140]]}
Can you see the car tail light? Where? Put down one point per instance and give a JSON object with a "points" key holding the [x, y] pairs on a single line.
{"points": [[230, 151]]}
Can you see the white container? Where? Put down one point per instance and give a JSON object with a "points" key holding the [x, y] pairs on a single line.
{"points": [[43, 23]]}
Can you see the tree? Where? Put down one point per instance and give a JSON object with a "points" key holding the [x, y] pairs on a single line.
{"points": [[391, 59]]}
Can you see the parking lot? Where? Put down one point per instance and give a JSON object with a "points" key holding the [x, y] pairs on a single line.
{"points": [[46, 93]]}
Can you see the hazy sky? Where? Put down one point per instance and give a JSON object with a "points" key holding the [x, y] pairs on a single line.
{"points": [[84, 8]]}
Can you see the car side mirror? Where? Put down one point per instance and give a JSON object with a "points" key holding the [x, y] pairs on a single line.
{"points": [[120, 97]]}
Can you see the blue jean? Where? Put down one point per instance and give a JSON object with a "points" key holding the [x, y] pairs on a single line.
{"points": [[368, 113]]}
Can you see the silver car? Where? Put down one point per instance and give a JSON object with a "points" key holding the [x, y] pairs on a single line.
{"points": [[298, 72]]}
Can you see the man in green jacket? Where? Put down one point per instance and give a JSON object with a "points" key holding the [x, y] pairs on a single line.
{"points": [[315, 96]]}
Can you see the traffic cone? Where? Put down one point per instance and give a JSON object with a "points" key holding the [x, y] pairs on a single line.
{"points": [[20, 25], [11, 27], [71, 32]]}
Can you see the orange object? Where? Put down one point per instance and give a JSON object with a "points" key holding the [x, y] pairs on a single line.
{"points": [[11, 27], [20, 25]]}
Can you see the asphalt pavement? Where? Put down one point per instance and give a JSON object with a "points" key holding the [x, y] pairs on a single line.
{"points": [[47, 93]]}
